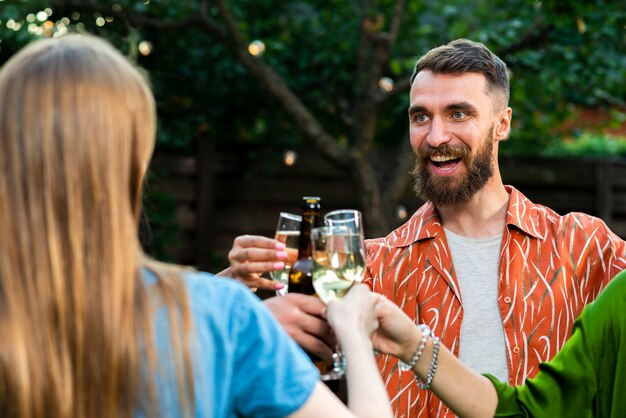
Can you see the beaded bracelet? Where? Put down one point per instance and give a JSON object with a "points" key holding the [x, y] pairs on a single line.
{"points": [[433, 367], [426, 332]]}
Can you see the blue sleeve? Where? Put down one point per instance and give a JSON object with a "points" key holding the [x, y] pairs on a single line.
{"points": [[255, 368], [275, 377]]}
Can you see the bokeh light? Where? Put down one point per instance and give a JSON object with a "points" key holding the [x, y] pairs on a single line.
{"points": [[290, 157], [145, 47], [256, 48], [402, 212], [385, 84]]}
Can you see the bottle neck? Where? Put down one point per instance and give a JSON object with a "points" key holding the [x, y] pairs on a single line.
{"points": [[310, 220]]}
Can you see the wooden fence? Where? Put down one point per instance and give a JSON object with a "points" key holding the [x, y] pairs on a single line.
{"points": [[223, 193]]}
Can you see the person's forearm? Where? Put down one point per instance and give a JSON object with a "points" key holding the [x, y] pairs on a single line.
{"points": [[464, 391], [367, 396]]}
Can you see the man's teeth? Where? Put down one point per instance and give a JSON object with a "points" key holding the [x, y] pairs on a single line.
{"points": [[442, 158]]}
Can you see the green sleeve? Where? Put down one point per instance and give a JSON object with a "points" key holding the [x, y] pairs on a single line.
{"points": [[564, 387], [588, 376]]}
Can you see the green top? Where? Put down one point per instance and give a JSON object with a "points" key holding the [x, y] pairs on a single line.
{"points": [[587, 378]]}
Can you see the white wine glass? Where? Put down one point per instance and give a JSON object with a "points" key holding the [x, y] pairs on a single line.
{"points": [[350, 218], [287, 232], [338, 262]]}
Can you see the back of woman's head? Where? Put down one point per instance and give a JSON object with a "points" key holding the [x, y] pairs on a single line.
{"points": [[77, 125]]}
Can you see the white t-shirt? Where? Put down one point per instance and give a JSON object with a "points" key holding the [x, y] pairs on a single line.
{"points": [[482, 341]]}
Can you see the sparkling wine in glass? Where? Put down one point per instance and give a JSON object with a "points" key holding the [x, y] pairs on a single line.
{"points": [[287, 232], [338, 262]]}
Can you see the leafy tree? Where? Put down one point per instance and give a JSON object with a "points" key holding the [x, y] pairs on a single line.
{"points": [[335, 73]]}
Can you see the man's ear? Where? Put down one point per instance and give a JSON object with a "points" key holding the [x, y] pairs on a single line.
{"points": [[503, 124]]}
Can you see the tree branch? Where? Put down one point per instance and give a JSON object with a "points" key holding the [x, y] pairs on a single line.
{"points": [[134, 19], [379, 45], [232, 38], [395, 24], [535, 35], [278, 88], [363, 46], [231, 25], [610, 100], [399, 181]]}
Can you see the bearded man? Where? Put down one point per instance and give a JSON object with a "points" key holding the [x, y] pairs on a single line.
{"points": [[498, 278]]}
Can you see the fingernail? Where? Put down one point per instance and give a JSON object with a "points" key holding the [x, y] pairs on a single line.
{"points": [[280, 246], [279, 286], [281, 254], [279, 265]]}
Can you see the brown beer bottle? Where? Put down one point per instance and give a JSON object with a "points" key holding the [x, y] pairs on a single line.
{"points": [[300, 277]]}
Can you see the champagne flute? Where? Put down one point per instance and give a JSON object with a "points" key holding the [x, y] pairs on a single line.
{"points": [[287, 232], [338, 262], [350, 218]]}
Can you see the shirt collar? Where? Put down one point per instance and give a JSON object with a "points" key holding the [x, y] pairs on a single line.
{"points": [[425, 222], [524, 214]]}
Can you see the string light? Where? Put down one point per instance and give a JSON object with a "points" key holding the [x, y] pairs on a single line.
{"points": [[100, 21], [256, 48], [145, 47], [61, 29], [42, 16], [34, 29], [401, 212], [290, 157], [385, 84]]}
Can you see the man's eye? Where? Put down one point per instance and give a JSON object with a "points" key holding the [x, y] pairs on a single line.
{"points": [[420, 118], [458, 115]]}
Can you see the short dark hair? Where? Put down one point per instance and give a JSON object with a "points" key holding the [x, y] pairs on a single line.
{"points": [[465, 56]]}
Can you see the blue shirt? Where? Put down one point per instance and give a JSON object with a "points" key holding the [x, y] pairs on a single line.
{"points": [[244, 363]]}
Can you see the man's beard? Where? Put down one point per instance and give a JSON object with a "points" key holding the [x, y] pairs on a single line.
{"points": [[452, 191]]}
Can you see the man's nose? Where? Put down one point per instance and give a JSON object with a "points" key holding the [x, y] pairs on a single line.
{"points": [[438, 133]]}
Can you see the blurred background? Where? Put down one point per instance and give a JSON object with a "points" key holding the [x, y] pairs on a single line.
{"points": [[263, 101]]}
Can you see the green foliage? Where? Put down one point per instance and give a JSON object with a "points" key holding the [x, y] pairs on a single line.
{"points": [[562, 55], [588, 145], [203, 91]]}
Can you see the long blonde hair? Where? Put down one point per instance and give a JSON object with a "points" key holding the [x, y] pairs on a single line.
{"points": [[77, 129]]}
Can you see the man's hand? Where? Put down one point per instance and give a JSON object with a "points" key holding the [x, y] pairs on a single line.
{"points": [[301, 316]]}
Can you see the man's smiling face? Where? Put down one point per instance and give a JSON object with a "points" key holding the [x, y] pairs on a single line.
{"points": [[452, 119]]}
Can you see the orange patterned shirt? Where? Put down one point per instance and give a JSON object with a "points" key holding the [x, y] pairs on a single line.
{"points": [[550, 267]]}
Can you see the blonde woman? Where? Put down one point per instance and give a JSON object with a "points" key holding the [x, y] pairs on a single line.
{"points": [[90, 327]]}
